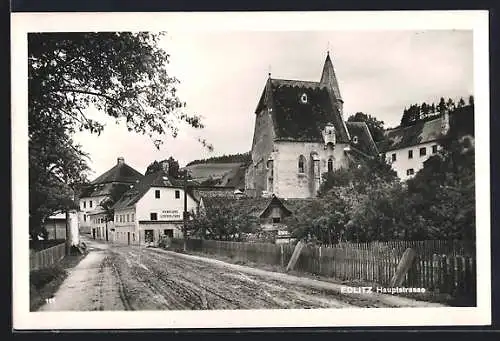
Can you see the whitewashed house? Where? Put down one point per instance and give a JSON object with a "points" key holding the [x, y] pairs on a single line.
{"points": [[100, 189], [151, 208], [407, 148]]}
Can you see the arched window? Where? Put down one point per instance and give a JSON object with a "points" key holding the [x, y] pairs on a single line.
{"points": [[302, 161], [330, 165]]}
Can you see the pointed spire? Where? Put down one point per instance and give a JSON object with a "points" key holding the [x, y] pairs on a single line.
{"points": [[328, 77]]}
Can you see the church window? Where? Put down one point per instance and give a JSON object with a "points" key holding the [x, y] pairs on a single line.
{"points": [[270, 168], [302, 161], [330, 165]]}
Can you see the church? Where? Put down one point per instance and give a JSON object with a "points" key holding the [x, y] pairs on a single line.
{"points": [[300, 134]]}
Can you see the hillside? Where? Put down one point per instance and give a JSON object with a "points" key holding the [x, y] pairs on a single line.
{"points": [[224, 159], [205, 171]]}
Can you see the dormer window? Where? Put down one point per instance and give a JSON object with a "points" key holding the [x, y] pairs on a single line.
{"points": [[355, 140], [303, 98], [329, 135]]}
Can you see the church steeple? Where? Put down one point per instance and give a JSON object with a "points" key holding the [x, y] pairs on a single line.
{"points": [[329, 79]]}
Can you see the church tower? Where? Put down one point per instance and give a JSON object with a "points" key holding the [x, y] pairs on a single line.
{"points": [[329, 80]]}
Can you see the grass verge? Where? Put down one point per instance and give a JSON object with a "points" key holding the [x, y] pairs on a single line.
{"points": [[44, 283]]}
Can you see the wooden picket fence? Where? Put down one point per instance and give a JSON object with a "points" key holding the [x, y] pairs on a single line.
{"points": [[47, 257], [441, 266]]}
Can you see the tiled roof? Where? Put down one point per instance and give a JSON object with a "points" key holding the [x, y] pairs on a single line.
{"points": [[244, 205], [157, 179], [213, 191], [294, 120], [365, 141], [96, 190], [461, 122], [121, 172]]}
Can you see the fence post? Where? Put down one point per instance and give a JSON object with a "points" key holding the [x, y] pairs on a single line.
{"points": [[404, 265], [295, 255], [282, 256]]}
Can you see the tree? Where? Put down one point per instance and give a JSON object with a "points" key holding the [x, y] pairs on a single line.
{"points": [[358, 176], [117, 191], [405, 119], [57, 167], [123, 75], [461, 103], [223, 219], [375, 126], [442, 105], [425, 110], [450, 104], [471, 100], [322, 219], [173, 167]]}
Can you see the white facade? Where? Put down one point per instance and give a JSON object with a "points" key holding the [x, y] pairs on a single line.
{"points": [[88, 206], [408, 161], [288, 181], [158, 211]]}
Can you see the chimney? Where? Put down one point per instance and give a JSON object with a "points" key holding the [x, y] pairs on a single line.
{"points": [[445, 122], [120, 160]]}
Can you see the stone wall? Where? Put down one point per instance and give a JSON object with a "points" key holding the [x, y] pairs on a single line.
{"points": [[262, 147], [288, 182]]}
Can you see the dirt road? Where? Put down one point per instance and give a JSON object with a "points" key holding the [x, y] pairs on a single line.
{"points": [[120, 277]]}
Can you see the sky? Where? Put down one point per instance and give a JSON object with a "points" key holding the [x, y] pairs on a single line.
{"points": [[222, 74]]}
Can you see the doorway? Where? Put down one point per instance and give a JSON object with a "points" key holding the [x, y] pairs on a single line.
{"points": [[148, 236], [128, 238], [93, 233]]}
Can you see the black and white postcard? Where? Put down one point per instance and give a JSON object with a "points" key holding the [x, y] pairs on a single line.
{"points": [[259, 169]]}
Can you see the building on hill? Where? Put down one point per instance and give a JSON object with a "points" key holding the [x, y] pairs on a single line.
{"points": [[90, 198], [299, 134], [151, 208], [407, 148]]}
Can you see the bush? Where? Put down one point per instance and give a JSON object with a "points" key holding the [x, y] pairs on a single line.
{"points": [[165, 242]]}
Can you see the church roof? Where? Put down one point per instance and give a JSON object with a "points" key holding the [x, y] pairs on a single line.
{"points": [[121, 172], [364, 143], [329, 79], [461, 123], [301, 109], [295, 120]]}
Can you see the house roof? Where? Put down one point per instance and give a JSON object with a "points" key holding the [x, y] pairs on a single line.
{"points": [[58, 216], [96, 190], [199, 192], [461, 122], [245, 205], [365, 142], [157, 179], [121, 172]]}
